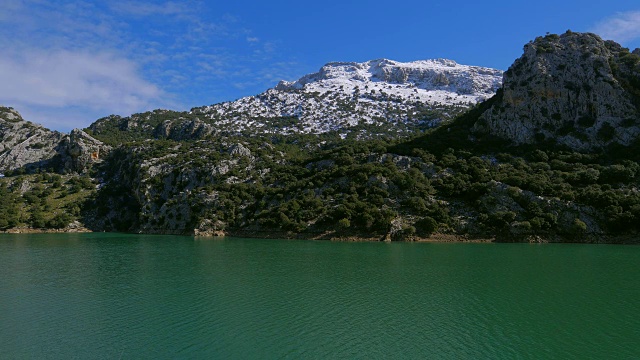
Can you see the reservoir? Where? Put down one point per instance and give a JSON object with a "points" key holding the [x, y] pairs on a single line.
{"points": [[116, 296]]}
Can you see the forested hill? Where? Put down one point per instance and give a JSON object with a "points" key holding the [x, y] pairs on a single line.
{"points": [[565, 179]]}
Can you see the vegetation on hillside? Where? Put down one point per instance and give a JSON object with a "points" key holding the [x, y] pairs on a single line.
{"points": [[302, 185], [43, 201], [172, 172]]}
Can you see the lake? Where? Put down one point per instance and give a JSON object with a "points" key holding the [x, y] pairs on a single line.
{"points": [[116, 296]]}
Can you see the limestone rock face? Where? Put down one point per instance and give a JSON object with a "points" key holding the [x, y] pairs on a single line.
{"points": [[78, 150], [428, 75], [184, 130], [576, 88], [24, 144], [239, 150]]}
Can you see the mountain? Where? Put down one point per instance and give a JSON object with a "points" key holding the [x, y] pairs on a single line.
{"points": [[486, 174], [378, 97], [575, 89], [362, 100], [377, 92]]}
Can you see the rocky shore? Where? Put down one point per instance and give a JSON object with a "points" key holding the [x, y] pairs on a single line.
{"points": [[74, 227]]}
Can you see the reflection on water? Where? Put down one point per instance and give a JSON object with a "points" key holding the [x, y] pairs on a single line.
{"points": [[136, 296]]}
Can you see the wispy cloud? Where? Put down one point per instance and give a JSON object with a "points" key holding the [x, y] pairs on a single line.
{"points": [[67, 59], [69, 62], [100, 81], [137, 8], [622, 27]]}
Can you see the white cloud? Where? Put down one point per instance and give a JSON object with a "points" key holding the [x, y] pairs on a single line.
{"points": [[622, 27], [67, 62], [137, 8], [96, 81]]}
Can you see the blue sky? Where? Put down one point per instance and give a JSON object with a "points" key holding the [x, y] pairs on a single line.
{"points": [[65, 64]]}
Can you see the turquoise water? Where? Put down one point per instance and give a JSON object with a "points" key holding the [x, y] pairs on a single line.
{"points": [[118, 296]]}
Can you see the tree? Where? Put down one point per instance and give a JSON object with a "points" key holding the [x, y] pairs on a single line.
{"points": [[426, 226], [9, 214], [37, 217], [344, 223], [578, 228]]}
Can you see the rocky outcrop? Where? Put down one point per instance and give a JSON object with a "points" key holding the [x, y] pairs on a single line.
{"points": [[184, 129], [239, 150], [576, 89], [23, 143], [30, 146], [78, 151]]}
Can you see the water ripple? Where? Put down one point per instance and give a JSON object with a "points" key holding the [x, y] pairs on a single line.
{"points": [[112, 296]]}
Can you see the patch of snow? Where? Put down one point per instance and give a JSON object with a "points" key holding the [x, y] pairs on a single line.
{"points": [[345, 94]]}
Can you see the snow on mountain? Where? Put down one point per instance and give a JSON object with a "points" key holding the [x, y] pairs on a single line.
{"points": [[383, 93], [426, 75]]}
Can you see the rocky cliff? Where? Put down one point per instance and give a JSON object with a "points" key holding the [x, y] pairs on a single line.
{"points": [[28, 146], [78, 151], [575, 89], [23, 143]]}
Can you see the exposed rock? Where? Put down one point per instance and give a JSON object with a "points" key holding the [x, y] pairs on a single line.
{"points": [[78, 151], [208, 227], [184, 130], [429, 75], [24, 144], [575, 88], [238, 150], [30, 146]]}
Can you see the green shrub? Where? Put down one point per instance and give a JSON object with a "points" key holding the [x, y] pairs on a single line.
{"points": [[426, 226]]}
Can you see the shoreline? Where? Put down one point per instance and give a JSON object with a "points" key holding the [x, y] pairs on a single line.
{"points": [[79, 230], [335, 237], [325, 236]]}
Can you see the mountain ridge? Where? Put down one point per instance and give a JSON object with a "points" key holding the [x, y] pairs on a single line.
{"points": [[375, 92], [375, 98]]}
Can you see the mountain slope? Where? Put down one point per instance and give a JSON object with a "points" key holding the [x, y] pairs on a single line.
{"points": [[364, 100], [574, 89], [377, 92]]}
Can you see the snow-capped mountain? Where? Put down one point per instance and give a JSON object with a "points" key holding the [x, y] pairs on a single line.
{"points": [[366, 100], [344, 95], [426, 75]]}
